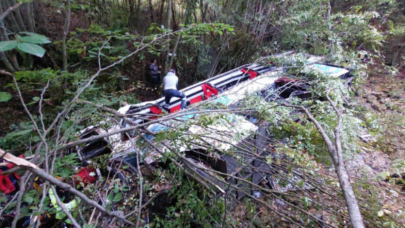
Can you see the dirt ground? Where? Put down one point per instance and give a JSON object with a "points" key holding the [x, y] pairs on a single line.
{"points": [[382, 97]]}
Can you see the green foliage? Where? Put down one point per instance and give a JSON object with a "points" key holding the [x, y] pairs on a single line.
{"points": [[4, 96], [21, 134], [32, 49], [310, 26], [304, 136], [65, 166], [193, 206], [301, 134], [102, 161], [27, 44], [7, 45], [33, 38], [398, 166]]}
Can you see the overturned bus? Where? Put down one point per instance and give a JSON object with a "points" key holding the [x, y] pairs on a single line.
{"points": [[217, 148]]}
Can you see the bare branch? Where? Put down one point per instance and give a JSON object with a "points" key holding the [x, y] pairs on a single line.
{"points": [[19, 199], [6, 73], [164, 118], [28, 112], [64, 209], [351, 201], [44, 175], [41, 116], [65, 33], [9, 202], [41, 204], [335, 152], [9, 10], [331, 147]]}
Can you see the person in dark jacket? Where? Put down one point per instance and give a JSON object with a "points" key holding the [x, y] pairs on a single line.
{"points": [[154, 73], [170, 83]]}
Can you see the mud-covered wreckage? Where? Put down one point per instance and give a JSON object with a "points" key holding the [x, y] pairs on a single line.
{"points": [[225, 132]]}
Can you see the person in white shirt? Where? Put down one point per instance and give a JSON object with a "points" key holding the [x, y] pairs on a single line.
{"points": [[124, 108], [170, 83]]}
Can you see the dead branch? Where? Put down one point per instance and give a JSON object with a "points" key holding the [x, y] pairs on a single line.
{"points": [[19, 199], [6, 73], [16, 160], [65, 33], [44, 175], [126, 129], [64, 209], [41, 204], [9, 202], [335, 152], [9, 10], [140, 176], [110, 110], [351, 201]]}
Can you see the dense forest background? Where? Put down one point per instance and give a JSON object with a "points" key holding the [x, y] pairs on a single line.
{"points": [[76, 29], [56, 55]]}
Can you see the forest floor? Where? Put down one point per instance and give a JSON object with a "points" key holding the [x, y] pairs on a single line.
{"points": [[11, 112], [381, 161]]}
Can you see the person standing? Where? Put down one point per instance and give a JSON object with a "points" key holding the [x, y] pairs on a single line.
{"points": [[170, 83], [154, 73]]}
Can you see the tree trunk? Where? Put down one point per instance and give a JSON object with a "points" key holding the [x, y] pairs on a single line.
{"points": [[332, 48], [3, 31], [335, 152], [178, 36], [5, 58], [174, 22], [138, 14], [11, 19], [65, 33], [162, 6], [30, 17], [41, 17], [19, 18], [132, 14], [216, 62], [204, 10], [151, 11], [166, 66], [7, 63], [169, 14], [351, 202]]}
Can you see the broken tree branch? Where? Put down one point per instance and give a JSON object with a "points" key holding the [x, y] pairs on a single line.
{"points": [[64, 209], [19, 199], [131, 128], [66, 28], [328, 141], [53, 180], [9, 10], [351, 201], [6, 73], [335, 152]]}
